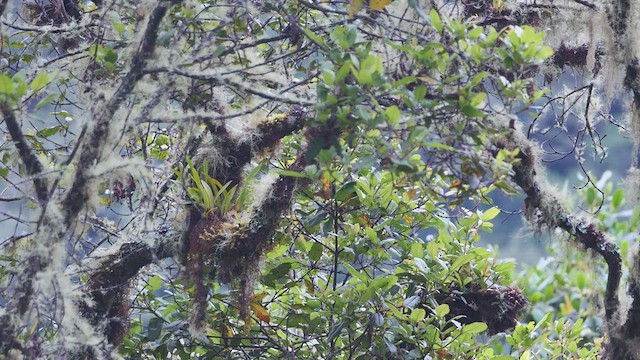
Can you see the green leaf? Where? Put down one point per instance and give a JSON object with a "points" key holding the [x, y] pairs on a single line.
{"points": [[439, 146], [461, 261], [347, 191], [316, 251], [417, 315], [46, 101], [154, 328], [420, 92], [329, 77], [46, 132], [392, 114], [6, 85], [155, 283], [474, 328], [40, 81], [384, 283], [469, 110], [344, 71], [416, 250], [436, 21], [355, 273], [404, 81], [616, 199], [442, 310], [544, 53], [490, 214], [478, 98], [291, 173], [475, 33], [371, 234], [277, 273], [315, 38]]}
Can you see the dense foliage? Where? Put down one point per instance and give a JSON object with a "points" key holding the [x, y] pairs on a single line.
{"points": [[294, 179]]}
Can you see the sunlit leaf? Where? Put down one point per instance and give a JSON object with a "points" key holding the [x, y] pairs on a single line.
{"points": [[442, 310], [6, 84], [260, 312], [474, 328], [417, 315], [379, 4], [40, 81], [354, 7]]}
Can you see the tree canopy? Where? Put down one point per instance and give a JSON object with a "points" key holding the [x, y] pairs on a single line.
{"points": [[311, 179]]}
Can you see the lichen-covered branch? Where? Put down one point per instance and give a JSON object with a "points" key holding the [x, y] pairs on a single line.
{"points": [[3, 6], [103, 112], [29, 159], [625, 345], [545, 210], [108, 285]]}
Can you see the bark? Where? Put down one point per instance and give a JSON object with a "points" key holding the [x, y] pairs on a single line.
{"points": [[544, 210], [103, 112]]}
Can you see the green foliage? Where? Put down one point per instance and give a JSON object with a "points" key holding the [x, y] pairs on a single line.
{"points": [[106, 57], [376, 248], [12, 88], [379, 257], [208, 193]]}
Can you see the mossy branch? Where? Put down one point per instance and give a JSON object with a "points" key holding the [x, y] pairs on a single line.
{"points": [[32, 164], [103, 112], [544, 209], [3, 6], [108, 286]]}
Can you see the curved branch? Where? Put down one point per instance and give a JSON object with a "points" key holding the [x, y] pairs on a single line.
{"points": [[108, 286], [544, 209]]}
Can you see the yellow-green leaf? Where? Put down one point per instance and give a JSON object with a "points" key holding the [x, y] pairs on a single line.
{"points": [[261, 312], [417, 315], [40, 81], [6, 84], [376, 5], [442, 310], [490, 214], [474, 328], [354, 7]]}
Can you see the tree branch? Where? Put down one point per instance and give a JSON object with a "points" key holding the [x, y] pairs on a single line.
{"points": [[103, 113], [544, 209], [3, 6], [30, 161], [108, 286]]}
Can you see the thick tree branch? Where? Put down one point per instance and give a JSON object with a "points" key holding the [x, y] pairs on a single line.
{"points": [[102, 114], [8, 334], [239, 153], [3, 6], [544, 209], [108, 286]]}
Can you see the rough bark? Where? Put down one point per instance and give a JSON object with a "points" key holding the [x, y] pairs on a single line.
{"points": [[545, 210], [103, 112]]}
